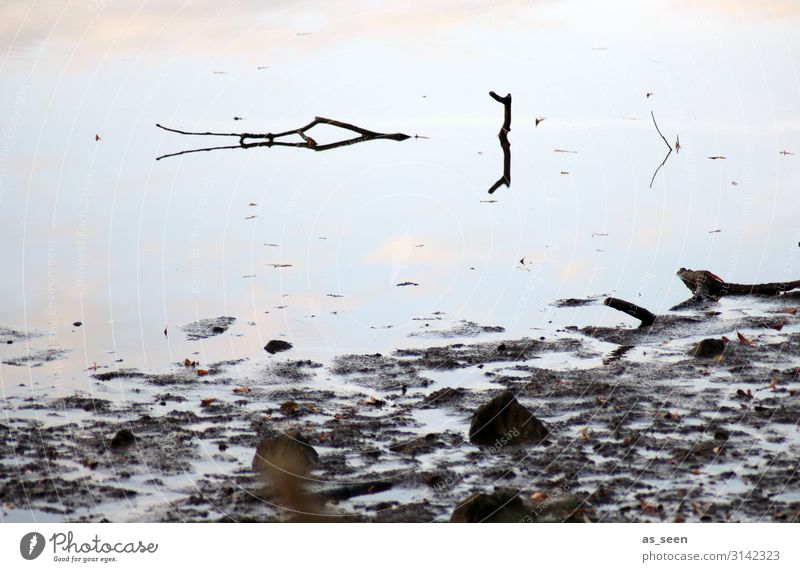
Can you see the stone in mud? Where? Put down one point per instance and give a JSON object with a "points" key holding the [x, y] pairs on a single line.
{"points": [[499, 506], [503, 421], [288, 454], [275, 346], [708, 348], [123, 438]]}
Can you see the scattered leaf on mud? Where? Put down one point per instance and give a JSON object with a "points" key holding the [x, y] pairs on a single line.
{"points": [[773, 385], [791, 311], [777, 325], [373, 401], [202, 372], [289, 407], [744, 340], [539, 496], [584, 433], [207, 402], [649, 509], [242, 389]]}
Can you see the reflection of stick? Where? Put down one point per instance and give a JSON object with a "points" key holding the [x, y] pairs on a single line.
{"points": [[668, 152], [646, 316], [505, 145], [250, 140]]}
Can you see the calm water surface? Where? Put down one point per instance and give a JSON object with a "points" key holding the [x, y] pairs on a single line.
{"points": [[99, 232]]}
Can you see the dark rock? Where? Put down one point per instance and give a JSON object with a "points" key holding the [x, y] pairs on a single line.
{"points": [[503, 421], [709, 348], [288, 453], [275, 346], [123, 438], [77, 324], [499, 506]]}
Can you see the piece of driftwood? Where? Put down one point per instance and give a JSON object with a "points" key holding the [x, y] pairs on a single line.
{"points": [[251, 140], [505, 145], [705, 284], [647, 317]]}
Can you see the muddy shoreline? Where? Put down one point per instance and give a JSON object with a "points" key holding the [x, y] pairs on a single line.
{"points": [[642, 431]]}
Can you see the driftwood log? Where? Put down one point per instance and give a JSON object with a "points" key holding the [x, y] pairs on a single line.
{"points": [[647, 317], [251, 140], [705, 284]]}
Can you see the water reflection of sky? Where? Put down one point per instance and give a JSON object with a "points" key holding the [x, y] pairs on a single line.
{"points": [[99, 232]]}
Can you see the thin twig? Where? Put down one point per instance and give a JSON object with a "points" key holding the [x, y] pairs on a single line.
{"points": [[659, 130], [668, 152]]}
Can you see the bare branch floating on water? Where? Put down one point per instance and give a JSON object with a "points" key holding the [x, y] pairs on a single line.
{"points": [[505, 145], [251, 140], [665, 143]]}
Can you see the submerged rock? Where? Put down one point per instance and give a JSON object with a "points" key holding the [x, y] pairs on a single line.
{"points": [[503, 421], [708, 348], [275, 346], [207, 327]]}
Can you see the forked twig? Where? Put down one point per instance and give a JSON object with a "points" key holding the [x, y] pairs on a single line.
{"points": [[668, 152], [251, 140]]}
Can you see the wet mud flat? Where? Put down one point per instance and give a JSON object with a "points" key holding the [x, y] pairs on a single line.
{"points": [[639, 427]]}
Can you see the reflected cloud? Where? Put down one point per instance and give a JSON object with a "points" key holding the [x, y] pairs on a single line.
{"points": [[210, 27]]}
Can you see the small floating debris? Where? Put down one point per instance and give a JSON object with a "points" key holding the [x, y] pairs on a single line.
{"points": [[408, 284]]}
